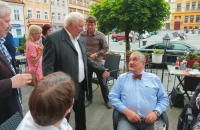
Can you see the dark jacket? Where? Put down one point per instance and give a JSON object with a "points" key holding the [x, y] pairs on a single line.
{"points": [[60, 55], [9, 43], [9, 102]]}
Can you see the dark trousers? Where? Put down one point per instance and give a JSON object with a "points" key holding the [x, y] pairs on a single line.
{"points": [[79, 108], [103, 85]]}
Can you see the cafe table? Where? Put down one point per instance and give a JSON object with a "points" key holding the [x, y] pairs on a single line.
{"points": [[188, 79]]}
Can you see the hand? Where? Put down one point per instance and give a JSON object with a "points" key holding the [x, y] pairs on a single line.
{"points": [[41, 46], [131, 115], [151, 118], [105, 74], [92, 56], [21, 80], [197, 100]]}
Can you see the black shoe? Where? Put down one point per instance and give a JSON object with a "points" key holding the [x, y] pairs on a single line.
{"points": [[87, 103], [109, 106]]}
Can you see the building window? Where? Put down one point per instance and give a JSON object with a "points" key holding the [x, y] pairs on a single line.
{"points": [[45, 15], [193, 5], [64, 16], [45, 1], [63, 3], [18, 32], [187, 6], [198, 18], [58, 16], [178, 7], [38, 14], [16, 14], [186, 19], [52, 2], [53, 15], [37, 0], [29, 14], [191, 18], [198, 5], [58, 2]]}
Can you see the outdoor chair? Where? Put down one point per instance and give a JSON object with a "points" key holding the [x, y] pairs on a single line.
{"points": [[12, 123], [116, 115], [112, 64]]}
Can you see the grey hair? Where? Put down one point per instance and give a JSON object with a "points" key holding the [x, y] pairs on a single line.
{"points": [[4, 8], [142, 57], [73, 17]]}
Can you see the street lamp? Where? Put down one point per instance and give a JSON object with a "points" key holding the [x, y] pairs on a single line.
{"points": [[166, 40]]}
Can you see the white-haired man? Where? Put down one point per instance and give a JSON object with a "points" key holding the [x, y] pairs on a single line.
{"points": [[9, 82], [139, 96], [65, 51]]}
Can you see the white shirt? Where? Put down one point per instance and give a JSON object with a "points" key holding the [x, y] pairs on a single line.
{"points": [[29, 124], [80, 57]]}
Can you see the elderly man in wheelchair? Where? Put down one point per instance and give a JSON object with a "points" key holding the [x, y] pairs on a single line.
{"points": [[139, 97]]}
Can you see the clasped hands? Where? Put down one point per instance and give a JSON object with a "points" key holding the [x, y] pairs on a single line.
{"points": [[134, 117]]}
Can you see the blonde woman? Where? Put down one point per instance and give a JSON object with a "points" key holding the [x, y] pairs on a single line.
{"points": [[34, 51]]}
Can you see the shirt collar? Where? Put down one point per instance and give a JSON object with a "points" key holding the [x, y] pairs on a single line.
{"points": [[95, 32], [2, 40], [70, 35]]}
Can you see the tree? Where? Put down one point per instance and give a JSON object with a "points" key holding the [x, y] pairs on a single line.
{"points": [[127, 15]]}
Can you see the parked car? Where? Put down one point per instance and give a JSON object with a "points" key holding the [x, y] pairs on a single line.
{"points": [[120, 36], [173, 50]]}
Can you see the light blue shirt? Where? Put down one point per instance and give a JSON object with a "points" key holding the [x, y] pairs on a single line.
{"points": [[142, 96]]}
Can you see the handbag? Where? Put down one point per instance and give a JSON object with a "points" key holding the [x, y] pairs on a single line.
{"points": [[177, 98], [33, 74], [186, 119]]}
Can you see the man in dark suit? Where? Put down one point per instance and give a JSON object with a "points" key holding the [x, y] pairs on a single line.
{"points": [[66, 51], [9, 43], [9, 81]]}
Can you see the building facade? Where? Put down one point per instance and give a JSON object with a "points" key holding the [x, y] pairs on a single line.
{"points": [[17, 18], [59, 9], [37, 12], [186, 14]]}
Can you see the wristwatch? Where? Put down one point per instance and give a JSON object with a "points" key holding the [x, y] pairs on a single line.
{"points": [[157, 113]]}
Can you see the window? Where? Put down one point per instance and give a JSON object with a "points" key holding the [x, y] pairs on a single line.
{"points": [[30, 14], [58, 16], [198, 18], [38, 14], [64, 16], [18, 32], [45, 1], [45, 15], [63, 3], [191, 18], [58, 2], [53, 15], [37, 0], [187, 6], [16, 14], [186, 19], [177, 46], [178, 7], [193, 5], [52, 2], [198, 5]]}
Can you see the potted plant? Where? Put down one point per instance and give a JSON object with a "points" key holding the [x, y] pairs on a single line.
{"points": [[157, 56], [109, 52], [181, 58], [191, 57], [22, 47], [146, 54], [128, 53]]}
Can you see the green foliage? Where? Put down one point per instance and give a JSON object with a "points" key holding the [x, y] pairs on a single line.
{"points": [[22, 46], [155, 51], [181, 57], [192, 56], [128, 53], [145, 53], [111, 52], [127, 15]]}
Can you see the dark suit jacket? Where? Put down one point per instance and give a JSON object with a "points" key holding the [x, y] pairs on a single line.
{"points": [[9, 103], [60, 55]]}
